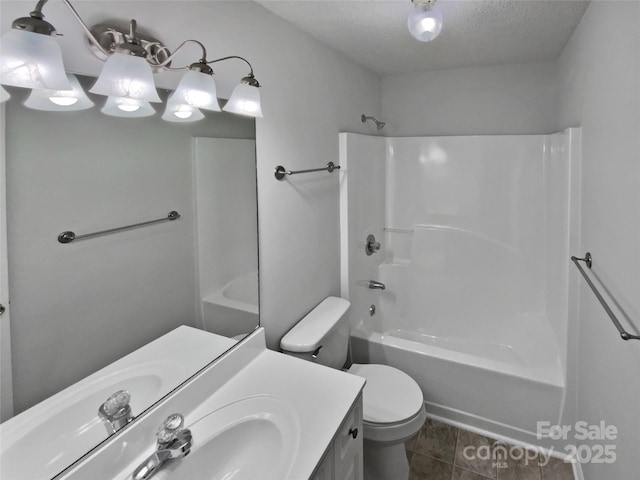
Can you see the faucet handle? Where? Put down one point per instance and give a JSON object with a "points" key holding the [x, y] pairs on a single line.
{"points": [[170, 428], [372, 245], [117, 405], [116, 402]]}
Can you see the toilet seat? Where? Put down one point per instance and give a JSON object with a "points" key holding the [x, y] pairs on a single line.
{"points": [[393, 404], [390, 396]]}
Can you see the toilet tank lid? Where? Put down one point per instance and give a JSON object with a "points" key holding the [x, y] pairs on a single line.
{"points": [[306, 336]]}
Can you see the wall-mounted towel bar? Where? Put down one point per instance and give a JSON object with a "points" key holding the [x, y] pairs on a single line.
{"points": [[281, 172], [588, 260], [68, 237]]}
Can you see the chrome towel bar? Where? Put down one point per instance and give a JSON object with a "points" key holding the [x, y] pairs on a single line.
{"points": [[281, 172], [68, 236], [588, 260]]}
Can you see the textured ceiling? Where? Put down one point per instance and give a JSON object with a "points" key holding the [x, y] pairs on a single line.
{"points": [[373, 33]]}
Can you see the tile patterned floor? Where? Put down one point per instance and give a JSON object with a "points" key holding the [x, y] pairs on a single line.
{"points": [[437, 452]]}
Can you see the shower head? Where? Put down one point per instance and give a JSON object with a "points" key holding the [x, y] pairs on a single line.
{"points": [[379, 125]]}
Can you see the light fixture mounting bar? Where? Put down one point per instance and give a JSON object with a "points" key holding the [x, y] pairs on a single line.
{"points": [[103, 40]]}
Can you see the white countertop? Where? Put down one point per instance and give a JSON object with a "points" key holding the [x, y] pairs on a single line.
{"points": [[46, 438], [321, 398]]}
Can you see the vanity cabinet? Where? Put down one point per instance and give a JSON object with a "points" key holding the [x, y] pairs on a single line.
{"points": [[343, 459]]}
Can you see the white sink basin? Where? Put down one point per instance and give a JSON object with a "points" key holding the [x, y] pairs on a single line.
{"points": [[252, 438], [46, 441]]}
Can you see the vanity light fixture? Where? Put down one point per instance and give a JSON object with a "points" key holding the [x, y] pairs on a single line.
{"points": [[59, 100], [31, 58], [425, 21], [130, 61], [196, 88], [125, 107], [4, 95], [181, 113], [245, 98]]}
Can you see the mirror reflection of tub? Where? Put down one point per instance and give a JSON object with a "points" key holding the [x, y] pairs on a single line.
{"points": [[225, 194], [233, 309]]}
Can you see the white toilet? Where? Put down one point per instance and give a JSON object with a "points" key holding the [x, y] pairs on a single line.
{"points": [[393, 407]]}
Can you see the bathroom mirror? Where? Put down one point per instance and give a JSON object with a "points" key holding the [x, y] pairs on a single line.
{"points": [[77, 307]]}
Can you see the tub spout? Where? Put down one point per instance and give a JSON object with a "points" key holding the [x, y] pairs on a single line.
{"points": [[376, 285]]}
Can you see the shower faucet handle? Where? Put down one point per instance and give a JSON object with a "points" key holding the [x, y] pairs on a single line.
{"points": [[371, 246]]}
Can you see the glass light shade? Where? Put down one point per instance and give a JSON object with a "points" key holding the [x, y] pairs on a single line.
{"points": [[32, 60], [125, 107], [4, 95], [198, 90], [60, 100], [126, 76], [180, 113], [245, 100], [424, 22]]}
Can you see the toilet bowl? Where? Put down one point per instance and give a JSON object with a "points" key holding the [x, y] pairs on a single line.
{"points": [[393, 405], [393, 412]]}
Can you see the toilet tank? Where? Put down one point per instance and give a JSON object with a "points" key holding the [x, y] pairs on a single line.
{"points": [[322, 336]]}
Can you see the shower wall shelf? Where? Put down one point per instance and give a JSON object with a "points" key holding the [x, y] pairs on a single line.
{"points": [[588, 261], [281, 172], [69, 236]]}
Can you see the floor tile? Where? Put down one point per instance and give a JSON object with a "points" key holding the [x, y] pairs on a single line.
{"points": [[437, 440], [462, 474], [428, 468], [411, 443], [557, 469], [476, 453]]}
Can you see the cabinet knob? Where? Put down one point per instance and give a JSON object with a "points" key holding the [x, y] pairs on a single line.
{"points": [[353, 432]]}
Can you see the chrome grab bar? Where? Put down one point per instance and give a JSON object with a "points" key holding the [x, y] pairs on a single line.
{"points": [[281, 172], [588, 260], [68, 236]]}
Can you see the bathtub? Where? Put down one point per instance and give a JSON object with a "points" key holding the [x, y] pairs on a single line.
{"points": [[499, 371], [233, 309], [475, 234]]}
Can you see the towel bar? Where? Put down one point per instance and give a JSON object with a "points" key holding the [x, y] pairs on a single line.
{"points": [[588, 260]]}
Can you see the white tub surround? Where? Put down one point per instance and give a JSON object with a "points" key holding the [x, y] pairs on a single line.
{"points": [[475, 234], [245, 372]]}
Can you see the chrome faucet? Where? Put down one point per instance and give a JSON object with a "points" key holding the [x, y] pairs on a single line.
{"points": [[173, 442], [373, 285], [115, 412]]}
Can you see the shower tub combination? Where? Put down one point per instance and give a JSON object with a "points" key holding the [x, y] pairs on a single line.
{"points": [[475, 234]]}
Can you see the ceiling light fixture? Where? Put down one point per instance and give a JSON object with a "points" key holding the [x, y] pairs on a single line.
{"points": [[130, 61], [425, 21]]}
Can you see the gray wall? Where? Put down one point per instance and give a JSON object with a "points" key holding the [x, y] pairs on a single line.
{"points": [[594, 84], [492, 100], [78, 307], [600, 78]]}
